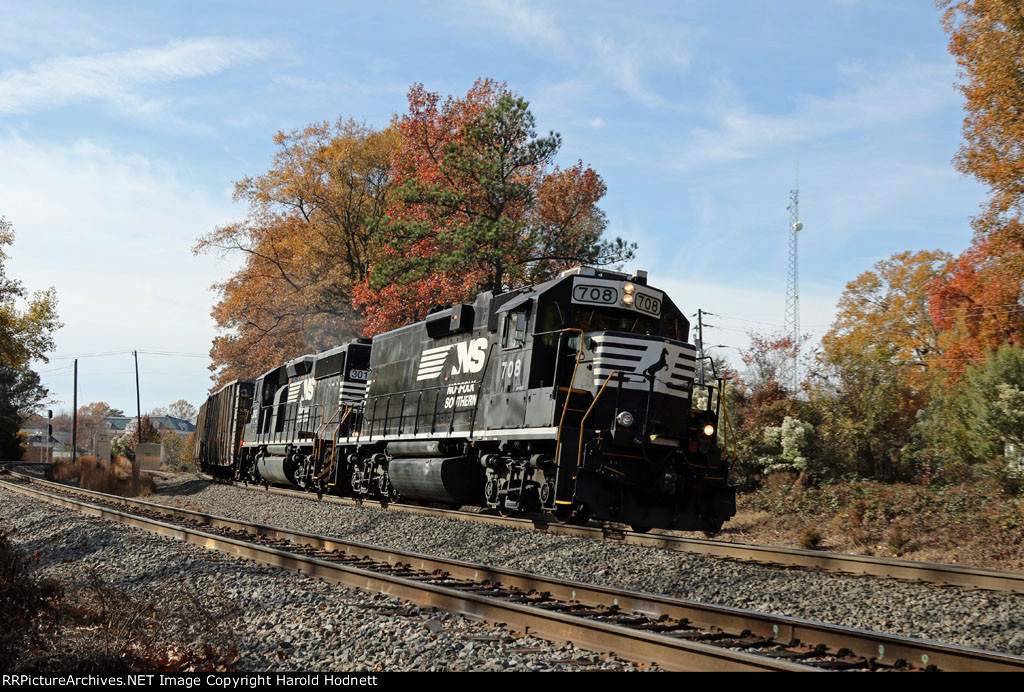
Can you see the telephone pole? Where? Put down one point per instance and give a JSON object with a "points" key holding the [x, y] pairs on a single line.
{"points": [[74, 420], [138, 406]]}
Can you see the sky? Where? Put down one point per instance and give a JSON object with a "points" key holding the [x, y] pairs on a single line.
{"points": [[123, 127]]}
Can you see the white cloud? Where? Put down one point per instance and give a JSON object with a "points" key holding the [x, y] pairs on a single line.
{"points": [[909, 92], [520, 21], [112, 232], [623, 64], [115, 77]]}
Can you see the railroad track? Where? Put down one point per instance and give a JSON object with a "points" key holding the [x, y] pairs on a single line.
{"points": [[675, 634], [893, 568]]}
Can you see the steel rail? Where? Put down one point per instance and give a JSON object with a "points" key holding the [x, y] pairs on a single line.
{"points": [[883, 649], [866, 565], [672, 654]]}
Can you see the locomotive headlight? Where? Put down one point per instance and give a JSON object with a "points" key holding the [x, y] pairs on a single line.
{"points": [[709, 430], [627, 299], [624, 419], [628, 288]]}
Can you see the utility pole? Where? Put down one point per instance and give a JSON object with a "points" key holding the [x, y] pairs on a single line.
{"points": [[74, 420], [700, 332], [138, 405]]}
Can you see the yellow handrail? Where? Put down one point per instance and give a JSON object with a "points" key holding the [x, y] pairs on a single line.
{"points": [[579, 449], [334, 447], [323, 426]]}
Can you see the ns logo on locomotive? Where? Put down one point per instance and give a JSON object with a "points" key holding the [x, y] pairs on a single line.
{"points": [[575, 397]]}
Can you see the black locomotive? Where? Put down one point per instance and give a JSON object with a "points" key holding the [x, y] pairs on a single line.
{"points": [[574, 397]]}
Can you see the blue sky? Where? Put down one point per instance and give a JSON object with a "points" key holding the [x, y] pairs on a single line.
{"points": [[124, 125]]}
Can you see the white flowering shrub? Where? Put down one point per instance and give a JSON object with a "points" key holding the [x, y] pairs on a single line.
{"points": [[786, 445], [1010, 426]]}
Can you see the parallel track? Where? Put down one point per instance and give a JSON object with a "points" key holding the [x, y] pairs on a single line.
{"points": [[908, 570], [675, 634]]}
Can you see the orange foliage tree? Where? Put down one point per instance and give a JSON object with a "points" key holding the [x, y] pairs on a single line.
{"points": [[982, 302], [888, 308], [480, 207], [90, 418], [307, 241]]}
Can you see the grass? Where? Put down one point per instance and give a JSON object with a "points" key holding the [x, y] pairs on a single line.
{"points": [[974, 522], [114, 479]]}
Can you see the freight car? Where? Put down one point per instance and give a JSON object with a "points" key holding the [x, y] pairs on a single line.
{"points": [[575, 397]]}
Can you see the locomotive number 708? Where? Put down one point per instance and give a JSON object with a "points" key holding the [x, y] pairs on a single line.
{"points": [[511, 368]]}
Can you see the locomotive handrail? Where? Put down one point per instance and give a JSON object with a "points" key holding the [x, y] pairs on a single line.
{"points": [[434, 388], [334, 447], [579, 449], [319, 432], [572, 381]]}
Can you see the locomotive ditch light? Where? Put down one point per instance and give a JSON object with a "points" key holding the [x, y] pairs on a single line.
{"points": [[709, 430], [624, 419]]}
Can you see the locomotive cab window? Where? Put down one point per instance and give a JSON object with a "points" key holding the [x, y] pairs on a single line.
{"points": [[602, 319], [514, 329]]}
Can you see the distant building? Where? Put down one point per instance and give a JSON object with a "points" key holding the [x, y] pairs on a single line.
{"points": [[38, 446], [114, 427]]}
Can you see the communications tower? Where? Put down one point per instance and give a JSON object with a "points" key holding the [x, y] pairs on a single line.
{"points": [[790, 374]]}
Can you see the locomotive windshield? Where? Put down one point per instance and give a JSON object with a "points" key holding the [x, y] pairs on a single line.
{"points": [[603, 319]]}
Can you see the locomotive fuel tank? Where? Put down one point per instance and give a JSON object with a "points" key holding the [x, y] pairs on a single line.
{"points": [[452, 480], [277, 470]]}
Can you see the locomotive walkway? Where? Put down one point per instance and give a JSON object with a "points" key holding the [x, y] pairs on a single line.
{"points": [[673, 633]]}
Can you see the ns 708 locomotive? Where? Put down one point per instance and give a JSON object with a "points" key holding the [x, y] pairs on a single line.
{"points": [[575, 397]]}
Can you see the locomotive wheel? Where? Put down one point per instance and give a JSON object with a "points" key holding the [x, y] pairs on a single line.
{"points": [[639, 528]]}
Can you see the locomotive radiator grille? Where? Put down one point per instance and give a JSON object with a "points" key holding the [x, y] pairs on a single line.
{"points": [[351, 392]]}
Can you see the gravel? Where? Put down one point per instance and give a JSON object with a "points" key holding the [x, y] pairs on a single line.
{"points": [[975, 618], [275, 619]]}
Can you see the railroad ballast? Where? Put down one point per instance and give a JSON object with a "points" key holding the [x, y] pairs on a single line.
{"points": [[576, 397]]}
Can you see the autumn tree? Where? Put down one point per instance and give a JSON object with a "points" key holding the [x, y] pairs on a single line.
{"points": [[864, 410], [306, 242], [873, 373], [27, 324], [90, 418], [179, 409], [480, 207], [26, 333], [889, 308], [128, 442], [987, 39], [980, 304], [984, 296]]}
